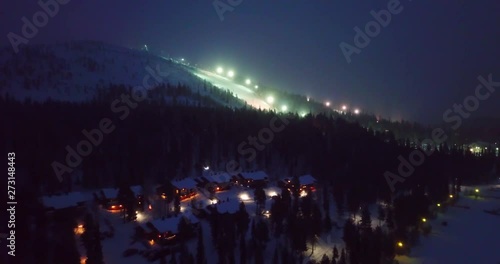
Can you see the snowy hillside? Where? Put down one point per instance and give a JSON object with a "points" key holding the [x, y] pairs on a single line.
{"points": [[74, 71]]}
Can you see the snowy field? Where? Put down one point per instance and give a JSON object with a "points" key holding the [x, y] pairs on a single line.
{"points": [[471, 236]]}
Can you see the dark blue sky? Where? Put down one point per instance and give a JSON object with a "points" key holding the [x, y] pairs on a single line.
{"points": [[424, 61]]}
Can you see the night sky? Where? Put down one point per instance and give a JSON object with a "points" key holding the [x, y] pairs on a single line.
{"points": [[427, 58]]}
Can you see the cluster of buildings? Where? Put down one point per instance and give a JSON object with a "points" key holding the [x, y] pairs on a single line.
{"points": [[227, 188]]}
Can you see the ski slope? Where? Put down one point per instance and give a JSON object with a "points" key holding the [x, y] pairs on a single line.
{"points": [[238, 90]]}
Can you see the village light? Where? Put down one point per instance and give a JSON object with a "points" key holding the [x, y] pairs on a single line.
{"points": [[303, 193], [214, 201], [248, 81], [344, 107], [327, 104], [439, 205], [451, 195], [79, 230], [270, 99], [284, 108], [477, 190], [256, 87], [308, 99], [220, 70], [356, 111], [244, 197], [151, 242], [272, 193], [400, 244], [230, 74], [424, 220], [206, 168]]}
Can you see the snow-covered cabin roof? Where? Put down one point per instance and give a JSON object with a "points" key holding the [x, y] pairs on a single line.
{"points": [[257, 175], [110, 193], [218, 177], [136, 189], [230, 207], [171, 224], [187, 183], [64, 200], [307, 179]]}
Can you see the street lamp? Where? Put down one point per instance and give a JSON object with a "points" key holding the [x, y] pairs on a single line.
{"points": [[344, 107], [270, 99], [284, 108], [248, 81], [356, 111], [220, 70], [327, 104], [230, 74]]}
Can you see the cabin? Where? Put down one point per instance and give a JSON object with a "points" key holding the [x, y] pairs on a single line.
{"points": [[62, 201], [185, 188], [216, 181], [108, 197], [306, 182], [65, 202], [164, 231], [252, 179]]}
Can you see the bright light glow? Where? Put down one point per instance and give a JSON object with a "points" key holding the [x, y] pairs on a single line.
{"points": [[248, 81], [471, 150], [272, 193], [303, 193], [270, 99], [451, 195], [83, 260], [327, 104], [220, 70], [477, 190], [284, 108], [308, 99], [344, 107], [151, 242], [182, 59], [214, 201], [356, 111], [244, 197], [497, 149], [439, 205], [140, 217], [400, 244], [256, 87], [79, 230], [206, 168], [303, 114], [230, 74], [424, 220]]}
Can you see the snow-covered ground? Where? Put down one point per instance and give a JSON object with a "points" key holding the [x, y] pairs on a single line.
{"points": [[471, 236], [239, 90]]}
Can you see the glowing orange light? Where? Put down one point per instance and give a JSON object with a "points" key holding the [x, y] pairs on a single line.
{"points": [[150, 207]]}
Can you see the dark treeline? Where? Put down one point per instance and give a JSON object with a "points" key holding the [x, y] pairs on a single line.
{"points": [[160, 140]]}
